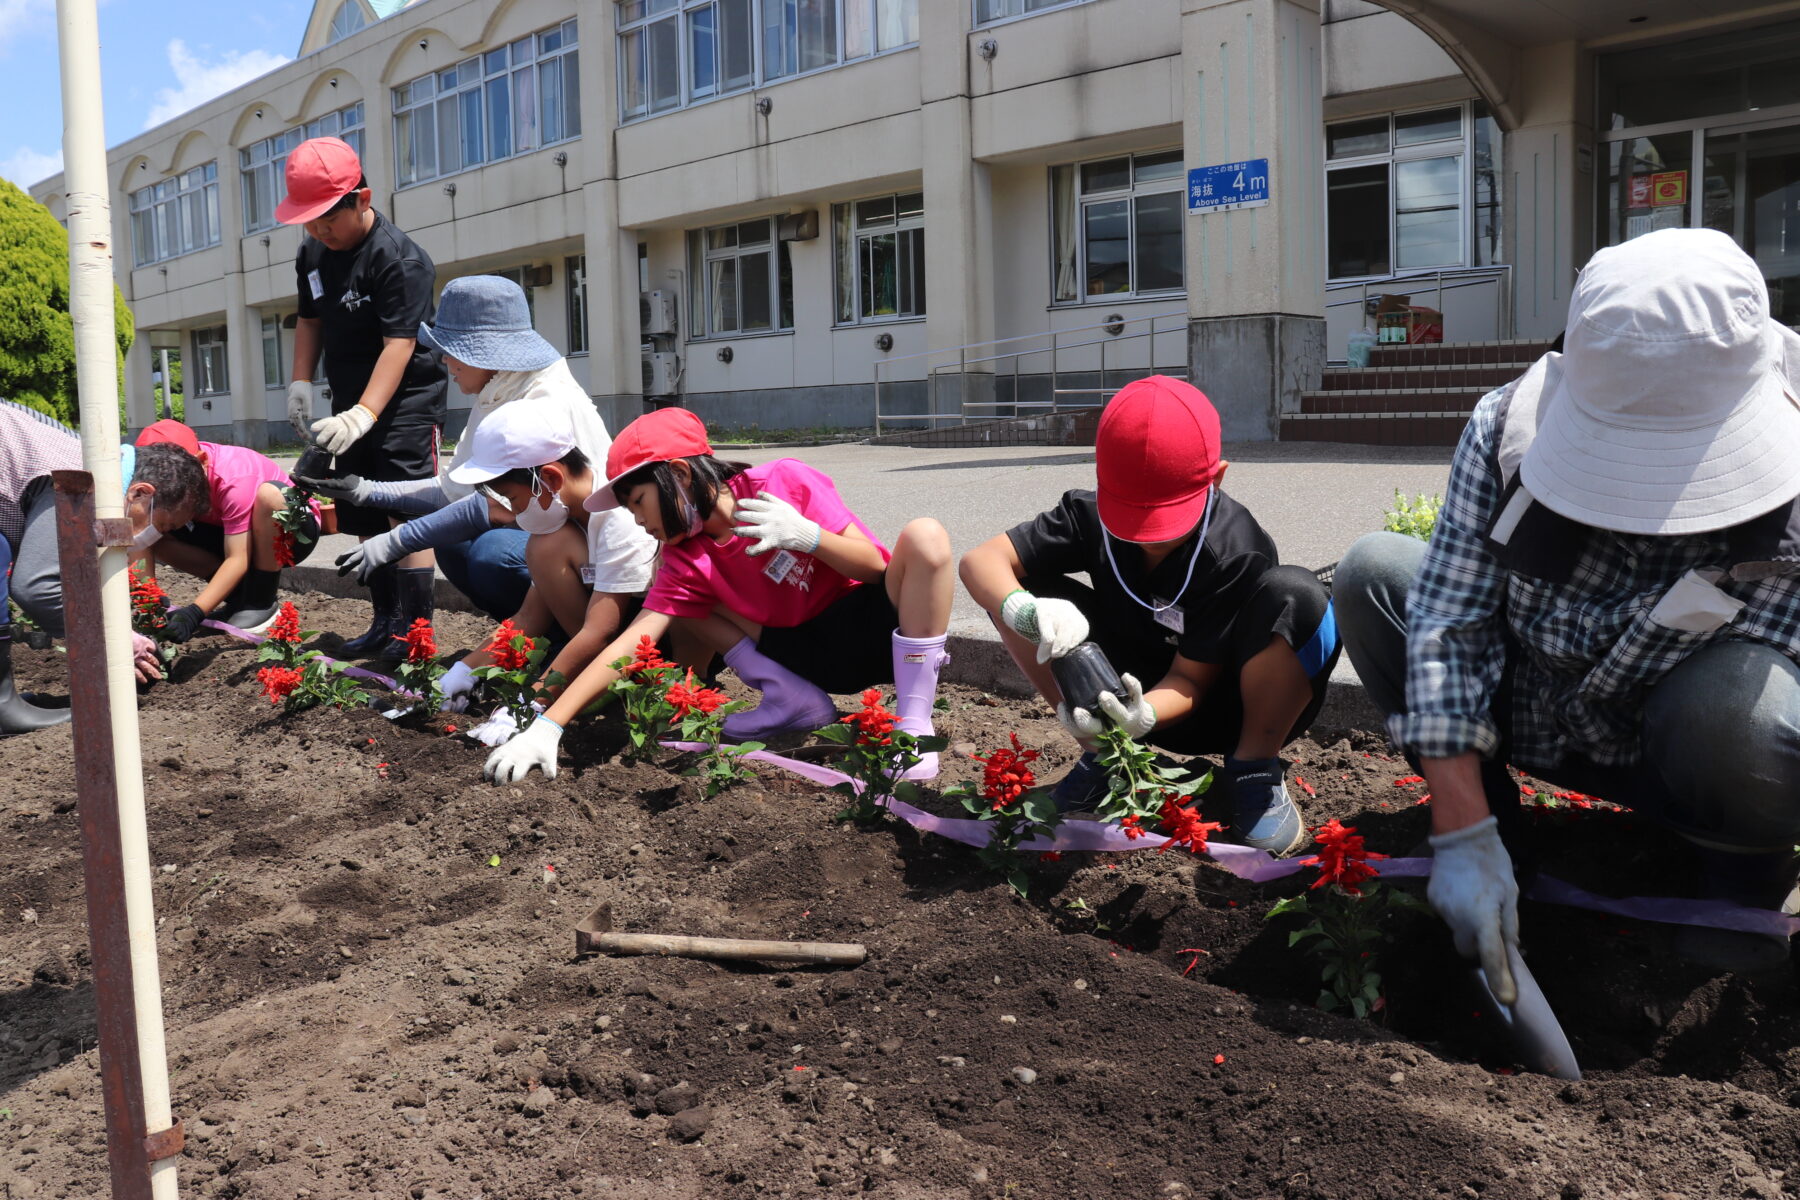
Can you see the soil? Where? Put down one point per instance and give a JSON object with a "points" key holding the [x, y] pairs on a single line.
{"points": [[359, 1004]]}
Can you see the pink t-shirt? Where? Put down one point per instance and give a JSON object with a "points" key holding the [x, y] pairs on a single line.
{"points": [[781, 588], [235, 473]]}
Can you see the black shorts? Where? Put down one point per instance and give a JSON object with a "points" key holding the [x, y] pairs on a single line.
{"points": [[390, 452], [1289, 603], [211, 538], [846, 648]]}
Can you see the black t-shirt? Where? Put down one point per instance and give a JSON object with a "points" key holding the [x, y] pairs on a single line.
{"points": [[380, 289], [1069, 538]]}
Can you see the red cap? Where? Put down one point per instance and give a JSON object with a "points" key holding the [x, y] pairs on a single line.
{"points": [[320, 172], [1155, 454], [172, 432], [654, 437]]}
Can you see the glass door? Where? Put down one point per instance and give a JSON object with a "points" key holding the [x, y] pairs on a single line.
{"points": [[1751, 190], [1647, 185]]}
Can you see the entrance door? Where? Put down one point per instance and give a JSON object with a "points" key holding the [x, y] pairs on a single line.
{"points": [[1751, 190]]}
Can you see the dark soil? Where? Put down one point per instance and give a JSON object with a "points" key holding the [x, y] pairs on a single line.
{"points": [[359, 1004]]}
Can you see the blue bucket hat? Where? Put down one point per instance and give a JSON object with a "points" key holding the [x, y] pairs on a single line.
{"points": [[484, 321]]}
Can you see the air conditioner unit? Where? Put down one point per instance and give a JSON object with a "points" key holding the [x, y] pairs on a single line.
{"points": [[662, 373], [656, 312]]}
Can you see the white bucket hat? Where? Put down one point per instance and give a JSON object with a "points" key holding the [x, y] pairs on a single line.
{"points": [[526, 433], [1670, 411]]}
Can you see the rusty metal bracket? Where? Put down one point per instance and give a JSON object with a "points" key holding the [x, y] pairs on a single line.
{"points": [[107, 531], [167, 1144], [112, 531]]}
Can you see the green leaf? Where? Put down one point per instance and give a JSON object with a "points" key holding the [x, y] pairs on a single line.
{"points": [[837, 733], [1359, 1006], [1021, 883], [1290, 904], [493, 860], [1300, 935], [931, 744]]}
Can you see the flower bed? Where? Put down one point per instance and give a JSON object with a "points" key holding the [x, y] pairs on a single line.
{"points": [[359, 1004]]}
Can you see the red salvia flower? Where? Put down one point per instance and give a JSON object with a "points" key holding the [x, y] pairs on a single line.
{"points": [[287, 624], [278, 682], [284, 548], [874, 724], [1185, 828], [1341, 858], [507, 656], [1006, 775], [421, 644], [686, 698], [645, 658], [1133, 826]]}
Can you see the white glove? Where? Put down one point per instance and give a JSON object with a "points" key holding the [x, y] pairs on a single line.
{"points": [[774, 522], [1473, 889], [456, 684], [536, 747], [1081, 725], [378, 551], [337, 434], [499, 728], [1057, 626], [1133, 714], [300, 402]]}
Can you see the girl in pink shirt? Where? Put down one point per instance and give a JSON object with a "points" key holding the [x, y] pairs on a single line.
{"points": [[768, 567]]}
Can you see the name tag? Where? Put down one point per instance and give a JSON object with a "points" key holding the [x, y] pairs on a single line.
{"points": [[781, 566], [316, 284], [1171, 618], [587, 574]]}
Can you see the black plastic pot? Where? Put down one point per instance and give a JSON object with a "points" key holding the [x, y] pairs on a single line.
{"points": [[1082, 674], [314, 461]]}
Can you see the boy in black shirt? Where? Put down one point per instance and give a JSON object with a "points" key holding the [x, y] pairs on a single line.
{"points": [[1187, 591], [364, 289]]}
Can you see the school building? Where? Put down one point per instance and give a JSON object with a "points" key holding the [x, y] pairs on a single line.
{"points": [[930, 213]]}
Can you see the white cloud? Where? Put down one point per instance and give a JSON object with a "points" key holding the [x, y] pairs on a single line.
{"points": [[26, 166], [19, 16], [202, 81]]}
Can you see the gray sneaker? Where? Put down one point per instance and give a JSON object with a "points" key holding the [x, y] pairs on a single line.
{"points": [[1263, 816]]}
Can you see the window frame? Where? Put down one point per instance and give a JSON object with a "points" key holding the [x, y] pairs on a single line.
{"points": [[207, 340], [1025, 13], [266, 158], [681, 14], [1469, 206], [472, 82], [851, 226], [1130, 194], [271, 340], [334, 34], [575, 301], [166, 209], [699, 298]]}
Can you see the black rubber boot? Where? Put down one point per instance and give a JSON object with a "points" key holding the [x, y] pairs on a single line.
{"points": [[252, 604], [384, 593], [416, 600], [1765, 880], [18, 715]]}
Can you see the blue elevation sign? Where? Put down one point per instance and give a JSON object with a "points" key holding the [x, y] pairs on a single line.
{"points": [[1228, 186]]}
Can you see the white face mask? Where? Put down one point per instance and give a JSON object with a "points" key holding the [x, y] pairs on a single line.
{"points": [[148, 536], [538, 521]]}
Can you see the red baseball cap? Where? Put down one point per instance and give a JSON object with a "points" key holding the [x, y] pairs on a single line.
{"points": [[170, 431], [654, 437], [1155, 454], [320, 172]]}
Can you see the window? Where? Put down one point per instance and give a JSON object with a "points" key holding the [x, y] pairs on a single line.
{"points": [[880, 247], [575, 281], [999, 10], [1412, 191], [742, 281], [271, 353], [511, 100], [210, 375], [264, 163], [346, 21], [177, 216], [1118, 226], [676, 52]]}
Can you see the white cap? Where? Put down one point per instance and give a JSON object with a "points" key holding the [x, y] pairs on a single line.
{"points": [[524, 433]]}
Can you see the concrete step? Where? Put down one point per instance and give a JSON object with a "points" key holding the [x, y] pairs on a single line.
{"points": [[1411, 428], [1486, 376], [1513, 350], [1392, 401]]}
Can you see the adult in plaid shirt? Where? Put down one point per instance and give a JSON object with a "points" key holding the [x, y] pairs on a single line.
{"points": [[1611, 597]]}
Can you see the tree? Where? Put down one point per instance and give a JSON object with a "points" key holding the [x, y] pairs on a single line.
{"points": [[171, 385], [37, 336]]}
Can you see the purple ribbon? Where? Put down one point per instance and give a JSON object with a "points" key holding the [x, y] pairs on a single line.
{"points": [[256, 639], [1258, 866]]}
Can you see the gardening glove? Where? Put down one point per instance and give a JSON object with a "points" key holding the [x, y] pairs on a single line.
{"points": [[144, 658], [1133, 713], [300, 402], [536, 747], [774, 522], [1057, 626], [378, 551], [499, 728], [1081, 725], [182, 623], [338, 433], [1473, 889], [353, 489], [457, 684]]}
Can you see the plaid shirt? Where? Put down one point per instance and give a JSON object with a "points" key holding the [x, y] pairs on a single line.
{"points": [[31, 445], [1588, 651]]}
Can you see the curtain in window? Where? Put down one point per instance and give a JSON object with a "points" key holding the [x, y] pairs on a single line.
{"points": [[1062, 203]]}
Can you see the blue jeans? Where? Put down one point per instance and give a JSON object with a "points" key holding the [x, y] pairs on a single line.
{"points": [[1721, 732], [489, 570]]}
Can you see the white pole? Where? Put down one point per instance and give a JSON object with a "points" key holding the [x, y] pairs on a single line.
{"points": [[96, 365]]}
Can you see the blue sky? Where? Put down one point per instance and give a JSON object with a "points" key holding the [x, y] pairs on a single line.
{"points": [[158, 58]]}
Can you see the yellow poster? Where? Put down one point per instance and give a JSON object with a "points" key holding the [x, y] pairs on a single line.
{"points": [[1668, 187]]}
